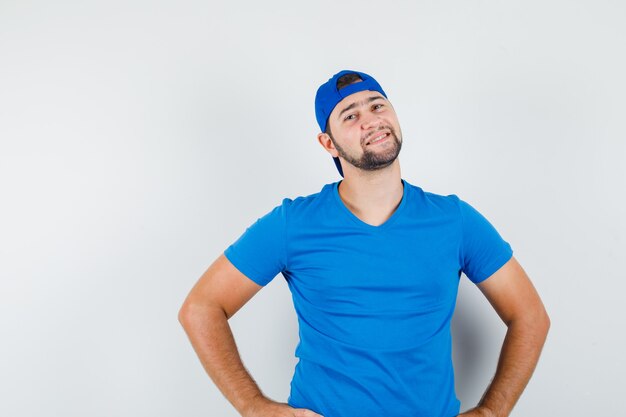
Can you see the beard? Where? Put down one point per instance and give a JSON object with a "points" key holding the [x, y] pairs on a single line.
{"points": [[374, 159]]}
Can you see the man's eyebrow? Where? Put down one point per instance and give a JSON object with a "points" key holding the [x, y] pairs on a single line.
{"points": [[359, 103]]}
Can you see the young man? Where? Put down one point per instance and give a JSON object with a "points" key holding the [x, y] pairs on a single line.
{"points": [[373, 263]]}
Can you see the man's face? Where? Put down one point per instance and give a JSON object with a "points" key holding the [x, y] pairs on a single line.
{"points": [[365, 131]]}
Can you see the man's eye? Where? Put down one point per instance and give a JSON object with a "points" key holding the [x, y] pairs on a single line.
{"points": [[377, 106], [349, 117]]}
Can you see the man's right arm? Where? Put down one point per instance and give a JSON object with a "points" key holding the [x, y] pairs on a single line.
{"points": [[219, 293]]}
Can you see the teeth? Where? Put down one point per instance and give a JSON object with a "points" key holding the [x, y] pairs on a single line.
{"points": [[378, 138]]}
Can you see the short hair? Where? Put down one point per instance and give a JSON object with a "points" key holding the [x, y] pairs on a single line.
{"points": [[347, 79]]}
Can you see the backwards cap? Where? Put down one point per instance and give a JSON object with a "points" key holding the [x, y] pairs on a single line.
{"points": [[328, 95]]}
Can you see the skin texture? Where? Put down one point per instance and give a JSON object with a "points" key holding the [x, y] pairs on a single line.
{"points": [[372, 190], [219, 293], [379, 118], [356, 120]]}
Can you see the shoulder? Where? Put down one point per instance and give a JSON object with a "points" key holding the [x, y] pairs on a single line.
{"points": [[307, 204], [434, 202]]}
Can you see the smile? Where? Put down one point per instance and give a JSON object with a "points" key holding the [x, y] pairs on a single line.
{"points": [[377, 139]]}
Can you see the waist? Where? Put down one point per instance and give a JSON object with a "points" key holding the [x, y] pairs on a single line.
{"points": [[420, 391]]}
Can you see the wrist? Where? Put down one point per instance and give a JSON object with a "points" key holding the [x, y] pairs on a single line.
{"points": [[485, 411], [255, 405], [478, 411]]}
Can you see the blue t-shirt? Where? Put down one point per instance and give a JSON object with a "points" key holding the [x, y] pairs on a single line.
{"points": [[374, 303]]}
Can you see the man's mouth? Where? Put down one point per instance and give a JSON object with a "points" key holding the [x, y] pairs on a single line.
{"points": [[377, 137]]}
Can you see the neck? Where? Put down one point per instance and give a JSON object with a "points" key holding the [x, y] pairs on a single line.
{"points": [[372, 195]]}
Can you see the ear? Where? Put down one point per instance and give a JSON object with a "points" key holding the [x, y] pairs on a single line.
{"points": [[327, 144]]}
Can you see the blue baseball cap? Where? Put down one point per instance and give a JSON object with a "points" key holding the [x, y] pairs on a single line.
{"points": [[328, 96]]}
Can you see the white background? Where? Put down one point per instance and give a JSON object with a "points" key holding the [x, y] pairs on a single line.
{"points": [[138, 139]]}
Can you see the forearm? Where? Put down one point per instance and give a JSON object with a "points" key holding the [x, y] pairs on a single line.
{"points": [[518, 358], [212, 339]]}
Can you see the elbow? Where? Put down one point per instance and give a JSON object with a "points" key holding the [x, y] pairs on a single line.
{"points": [[183, 315], [540, 323], [542, 319], [192, 314], [543, 327], [535, 323], [188, 314]]}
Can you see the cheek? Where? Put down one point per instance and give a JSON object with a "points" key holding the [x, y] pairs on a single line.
{"points": [[351, 135]]}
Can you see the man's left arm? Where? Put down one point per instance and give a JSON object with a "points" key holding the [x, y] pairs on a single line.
{"points": [[513, 296]]}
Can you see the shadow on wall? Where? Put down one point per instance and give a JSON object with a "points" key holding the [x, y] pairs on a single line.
{"points": [[476, 342]]}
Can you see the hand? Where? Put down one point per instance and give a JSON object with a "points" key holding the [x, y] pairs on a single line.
{"points": [[265, 407], [477, 412]]}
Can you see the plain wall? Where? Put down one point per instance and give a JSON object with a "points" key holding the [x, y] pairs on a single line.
{"points": [[138, 139]]}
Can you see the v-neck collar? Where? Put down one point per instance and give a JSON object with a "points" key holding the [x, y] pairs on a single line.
{"points": [[360, 222]]}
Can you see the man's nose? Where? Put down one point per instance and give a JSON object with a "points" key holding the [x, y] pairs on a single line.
{"points": [[370, 121]]}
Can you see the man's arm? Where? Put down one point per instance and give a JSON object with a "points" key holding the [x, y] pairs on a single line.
{"points": [[219, 293], [516, 301]]}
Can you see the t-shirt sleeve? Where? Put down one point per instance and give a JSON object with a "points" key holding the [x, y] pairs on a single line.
{"points": [[259, 253], [483, 250]]}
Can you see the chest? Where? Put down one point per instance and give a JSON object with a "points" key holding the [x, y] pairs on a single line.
{"points": [[405, 267]]}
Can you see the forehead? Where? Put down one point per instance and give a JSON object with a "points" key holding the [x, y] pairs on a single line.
{"points": [[356, 99]]}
